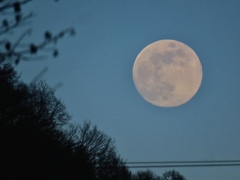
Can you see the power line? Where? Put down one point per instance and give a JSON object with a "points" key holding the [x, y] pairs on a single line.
{"points": [[185, 165], [183, 162], [170, 164]]}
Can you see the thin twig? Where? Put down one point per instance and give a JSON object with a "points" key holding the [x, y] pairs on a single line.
{"points": [[10, 5], [28, 31], [16, 24]]}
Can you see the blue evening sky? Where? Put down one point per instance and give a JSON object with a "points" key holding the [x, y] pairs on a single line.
{"points": [[95, 68]]}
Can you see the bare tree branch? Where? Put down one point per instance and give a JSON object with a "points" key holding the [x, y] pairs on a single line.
{"points": [[13, 52], [15, 24], [10, 5]]}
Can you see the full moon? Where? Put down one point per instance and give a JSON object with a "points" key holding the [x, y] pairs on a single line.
{"points": [[167, 73]]}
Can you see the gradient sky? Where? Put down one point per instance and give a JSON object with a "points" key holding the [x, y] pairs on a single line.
{"points": [[95, 68]]}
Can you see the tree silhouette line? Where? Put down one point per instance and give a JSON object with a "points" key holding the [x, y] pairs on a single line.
{"points": [[37, 138], [38, 141]]}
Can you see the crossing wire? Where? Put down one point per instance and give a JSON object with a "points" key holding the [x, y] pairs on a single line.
{"points": [[183, 162], [170, 164]]}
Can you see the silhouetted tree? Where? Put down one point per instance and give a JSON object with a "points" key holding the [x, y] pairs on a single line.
{"points": [[145, 175], [149, 175], [38, 141], [100, 152], [11, 51], [31, 118], [172, 175]]}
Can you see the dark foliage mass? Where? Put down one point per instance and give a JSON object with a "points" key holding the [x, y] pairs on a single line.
{"points": [[172, 175], [38, 141], [145, 175], [149, 175]]}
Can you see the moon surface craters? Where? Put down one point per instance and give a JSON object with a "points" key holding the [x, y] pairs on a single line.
{"points": [[167, 73]]}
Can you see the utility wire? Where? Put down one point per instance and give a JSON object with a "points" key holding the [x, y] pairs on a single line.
{"points": [[167, 164], [185, 165], [183, 162]]}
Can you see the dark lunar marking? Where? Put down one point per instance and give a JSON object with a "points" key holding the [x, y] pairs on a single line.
{"points": [[180, 53], [155, 59], [181, 63], [167, 57], [172, 45], [149, 96], [166, 90], [157, 75], [143, 72]]}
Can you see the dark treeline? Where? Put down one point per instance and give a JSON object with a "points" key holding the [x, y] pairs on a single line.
{"points": [[37, 138], [39, 142], [149, 175]]}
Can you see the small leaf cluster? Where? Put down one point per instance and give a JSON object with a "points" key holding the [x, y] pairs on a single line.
{"points": [[14, 52], [15, 10]]}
